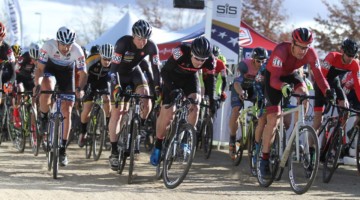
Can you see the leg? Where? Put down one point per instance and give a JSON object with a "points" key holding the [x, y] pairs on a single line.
{"points": [[194, 109]]}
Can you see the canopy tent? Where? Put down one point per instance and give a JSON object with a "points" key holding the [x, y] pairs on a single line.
{"points": [[248, 39]]}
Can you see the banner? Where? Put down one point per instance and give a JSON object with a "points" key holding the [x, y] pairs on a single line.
{"points": [[225, 26], [14, 29]]}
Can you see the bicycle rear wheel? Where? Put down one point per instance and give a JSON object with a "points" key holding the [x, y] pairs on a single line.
{"points": [[302, 172], [99, 130], [179, 156], [34, 131], [207, 137], [332, 155], [135, 127]]}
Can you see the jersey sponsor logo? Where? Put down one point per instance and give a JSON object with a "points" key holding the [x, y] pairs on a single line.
{"points": [[177, 53], [156, 60], [128, 56], [117, 58], [81, 62], [325, 64], [277, 62], [42, 54]]}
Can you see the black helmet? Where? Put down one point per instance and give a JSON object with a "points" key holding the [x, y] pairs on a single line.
{"points": [[200, 47], [142, 29], [94, 49], [349, 47], [216, 50], [302, 35], [259, 53]]}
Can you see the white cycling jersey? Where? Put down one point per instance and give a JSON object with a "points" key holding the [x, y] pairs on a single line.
{"points": [[50, 51]]}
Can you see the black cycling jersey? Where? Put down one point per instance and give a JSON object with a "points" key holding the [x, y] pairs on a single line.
{"points": [[25, 74], [7, 71], [127, 56]]}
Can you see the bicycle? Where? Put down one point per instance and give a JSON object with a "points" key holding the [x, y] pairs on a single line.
{"points": [[15, 134], [204, 127], [179, 145], [54, 135], [333, 141], [29, 122], [301, 152], [75, 122], [129, 136], [96, 129]]}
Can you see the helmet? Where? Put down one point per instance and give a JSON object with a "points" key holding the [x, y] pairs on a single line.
{"points": [[94, 49], [216, 50], [349, 47], [142, 29], [2, 30], [302, 35], [34, 51], [107, 51], [200, 47], [16, 49], [65, 35], [259, 53]]}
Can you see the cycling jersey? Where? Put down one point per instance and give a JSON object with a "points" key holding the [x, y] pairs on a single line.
{"points": [[283, 63], [127, 57], [25, 74], [220, 76], [8, 68], [332, 67], [98, 76], [179, 72]]}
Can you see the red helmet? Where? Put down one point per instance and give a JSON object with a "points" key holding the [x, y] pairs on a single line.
{"points": [[2, 30], [302, 35]]}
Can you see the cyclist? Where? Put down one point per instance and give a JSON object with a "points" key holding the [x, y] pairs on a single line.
{"points": [[58, 58], [180, 71], [280, 73], [129, 52], [98, 79], [244, 84], [7, 61], [334, 65]]}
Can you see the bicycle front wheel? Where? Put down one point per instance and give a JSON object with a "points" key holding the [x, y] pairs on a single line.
{"points": [[135, 127], [89, 137], [56, 143], [332, 155], [240, 146], [207, 137], [179, 156], [99, 130], [302, 172], [34, 131], [252, 154], [357, 149]]}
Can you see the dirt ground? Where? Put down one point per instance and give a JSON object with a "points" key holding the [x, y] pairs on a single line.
{"points": [[23, 176]]}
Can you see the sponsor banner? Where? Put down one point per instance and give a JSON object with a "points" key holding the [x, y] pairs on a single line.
{"points": [[225, 26], [15, 22]]}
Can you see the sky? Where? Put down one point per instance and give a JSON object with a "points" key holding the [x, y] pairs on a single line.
{"points": [[42, 18]]}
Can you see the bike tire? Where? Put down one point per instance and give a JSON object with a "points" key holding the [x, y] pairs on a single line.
{"points": [[357, 149], [48, 150], [332, 155], [122, 140], [10, 124], [99, 134], [240, 146], [56, 147], [89, 137], [303, 173], [207, 134], [251, 147], [165, 144], [135, 128], [280, 170], [173, 156], [20, 138], [150, 136], [34, 131]]}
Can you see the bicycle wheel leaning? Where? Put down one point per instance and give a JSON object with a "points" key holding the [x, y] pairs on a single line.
{"points": [[135, 127], [207, 137], [179, 156], [274, 161], [302, 172], [98, 134], [332, 155]]}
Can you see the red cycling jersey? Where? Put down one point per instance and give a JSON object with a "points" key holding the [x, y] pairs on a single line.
{"points": [[283, 63], [333, 66]]}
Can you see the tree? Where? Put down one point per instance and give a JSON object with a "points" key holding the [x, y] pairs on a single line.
{"points": [[342, 22], [265, 16]]}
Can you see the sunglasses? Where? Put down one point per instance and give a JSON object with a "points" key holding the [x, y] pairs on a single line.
{"points": [[301, 47], [260, 61], [107, 59], [199, 59]]}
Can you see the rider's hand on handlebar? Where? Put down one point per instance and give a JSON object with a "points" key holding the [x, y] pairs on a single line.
{"points": [[116, 92], [223, 96], [286, 90], [330, 96]]}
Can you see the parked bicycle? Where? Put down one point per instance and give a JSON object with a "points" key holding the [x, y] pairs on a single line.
{"points": [[301, 153], [179, 145]]}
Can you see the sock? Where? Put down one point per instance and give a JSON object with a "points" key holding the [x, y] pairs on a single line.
{"points": [[43, 115], [16, 112], [232, 139], [83, 127], [158, 143], [265, 156], [64, 144], [142, 121], [114, 149]]}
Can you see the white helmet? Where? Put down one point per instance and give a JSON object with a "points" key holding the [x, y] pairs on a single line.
{"points": [[34, 51], [106, 51], [65, 35]]}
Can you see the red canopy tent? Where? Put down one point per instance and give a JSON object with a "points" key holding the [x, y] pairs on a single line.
{"points": [[248, 39]]}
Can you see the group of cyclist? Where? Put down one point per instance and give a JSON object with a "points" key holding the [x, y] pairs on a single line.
{"points": [[116, 68], [280, 76]]}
